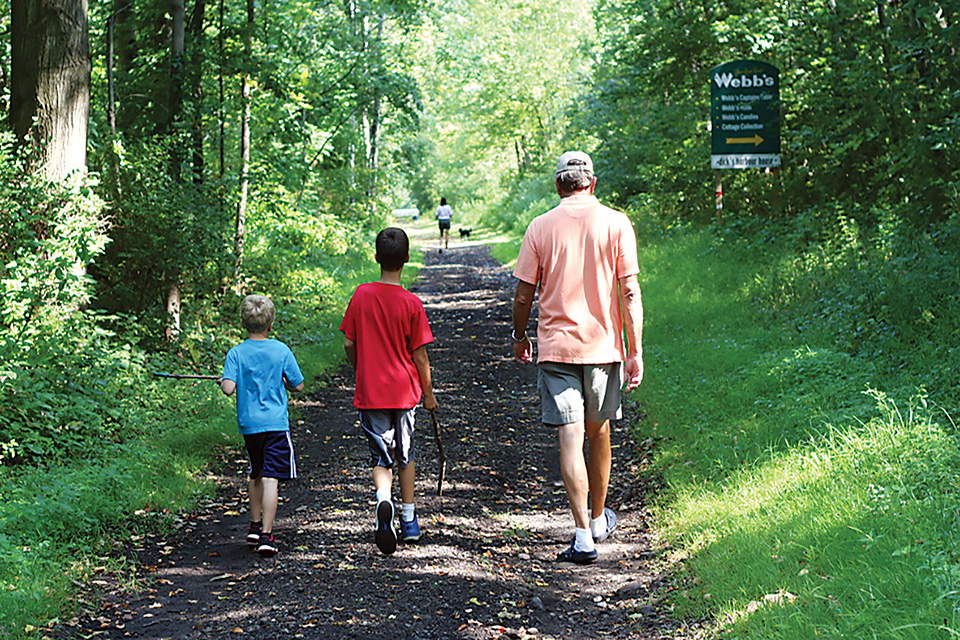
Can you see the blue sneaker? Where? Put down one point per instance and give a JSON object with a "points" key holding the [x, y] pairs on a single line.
{"points": [[386, 535], [409, 531]]}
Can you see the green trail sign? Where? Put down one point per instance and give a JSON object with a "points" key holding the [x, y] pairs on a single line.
{"points": [[745, 115]]}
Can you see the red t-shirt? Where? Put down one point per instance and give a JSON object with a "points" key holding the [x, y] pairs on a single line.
{"points": [[387, 323]]}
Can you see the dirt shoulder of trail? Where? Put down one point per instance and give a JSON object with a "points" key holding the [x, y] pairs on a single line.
{"points": [[485, 567]]}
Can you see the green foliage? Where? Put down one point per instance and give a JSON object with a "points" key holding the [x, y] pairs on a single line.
{"points": [[869, 105], [163, 232], [68, 396], [54, 368], [49, 233], [887, 296], [521, 202], [58, 523], [312, 257], [496, 99], [418, 163], [788, 470]]}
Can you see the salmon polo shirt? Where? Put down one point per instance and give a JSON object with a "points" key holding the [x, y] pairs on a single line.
{"points": [[577, 252]]}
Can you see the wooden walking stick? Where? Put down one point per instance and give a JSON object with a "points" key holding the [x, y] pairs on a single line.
{"points": [[440, 454], [182, 376]]}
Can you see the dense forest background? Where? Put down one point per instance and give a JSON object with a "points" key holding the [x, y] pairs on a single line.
{"points": [[158, 160]]}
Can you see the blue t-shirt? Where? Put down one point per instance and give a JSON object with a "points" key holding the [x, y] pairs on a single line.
{"points": [[259, 367]]}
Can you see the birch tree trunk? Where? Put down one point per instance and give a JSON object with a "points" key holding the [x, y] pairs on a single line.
{"points": [[177, 44]]}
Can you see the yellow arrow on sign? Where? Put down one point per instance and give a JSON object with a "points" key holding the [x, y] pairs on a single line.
{"points": [[755, 140]]}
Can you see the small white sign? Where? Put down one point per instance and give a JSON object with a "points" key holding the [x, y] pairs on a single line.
{"points": [[745, 161]]}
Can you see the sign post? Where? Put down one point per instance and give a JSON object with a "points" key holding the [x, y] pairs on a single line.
{"points": [[744, 118]]}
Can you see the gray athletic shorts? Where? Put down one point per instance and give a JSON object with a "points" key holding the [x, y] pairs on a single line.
{"points": [[577, 392], [389, 435]]}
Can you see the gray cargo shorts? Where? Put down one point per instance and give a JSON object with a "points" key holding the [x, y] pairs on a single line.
{"points": [[578, 392]]}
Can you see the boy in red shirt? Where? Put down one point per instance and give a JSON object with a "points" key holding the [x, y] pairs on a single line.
{"points": [[386, 336]]}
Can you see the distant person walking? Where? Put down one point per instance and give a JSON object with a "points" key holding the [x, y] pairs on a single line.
{"points": [[583, 256], [386, 334], [444, 214]]}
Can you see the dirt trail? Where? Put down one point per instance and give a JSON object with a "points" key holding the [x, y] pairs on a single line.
{"points": [[485, 567]]}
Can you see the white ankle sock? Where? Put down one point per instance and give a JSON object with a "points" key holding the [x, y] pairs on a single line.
{"points": [[598, 526], [383, 494], [406, 511], [584, 540]]}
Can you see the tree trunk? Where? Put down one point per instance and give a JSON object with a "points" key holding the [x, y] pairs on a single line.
{"points": [[4, 82], [175, 102], [112, 105], [50, 82], [244, 153], [173, 310], [372, 116], [244, 182], [222, 112], [175, 106], [373, 145], [196, 88]]}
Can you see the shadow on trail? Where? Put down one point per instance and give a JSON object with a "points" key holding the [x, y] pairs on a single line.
{"points": [[485, 567]]}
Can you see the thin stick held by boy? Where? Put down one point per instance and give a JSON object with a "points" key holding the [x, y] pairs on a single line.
{"points": [[260, 370], [386, 334]]}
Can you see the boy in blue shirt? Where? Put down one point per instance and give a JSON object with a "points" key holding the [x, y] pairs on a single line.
{"points": [[260, 370]]}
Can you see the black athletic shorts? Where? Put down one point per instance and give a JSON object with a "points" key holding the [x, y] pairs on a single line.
{"points": [[271, 455]]}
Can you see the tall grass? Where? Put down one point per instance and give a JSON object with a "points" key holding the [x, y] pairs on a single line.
{"points": [[804, 434]]}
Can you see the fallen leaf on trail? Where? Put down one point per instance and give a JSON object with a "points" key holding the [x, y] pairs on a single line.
{"points": [[222, 576]]}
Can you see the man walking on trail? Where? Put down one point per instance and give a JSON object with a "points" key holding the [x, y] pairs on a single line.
{"points": [[444, 214], [583, 256]]}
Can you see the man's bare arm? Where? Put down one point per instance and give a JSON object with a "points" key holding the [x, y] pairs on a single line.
{"points": [[522, 304], [632, 305]]}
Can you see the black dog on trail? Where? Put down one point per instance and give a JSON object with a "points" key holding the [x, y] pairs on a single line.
{"points": [[465, 233]]}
